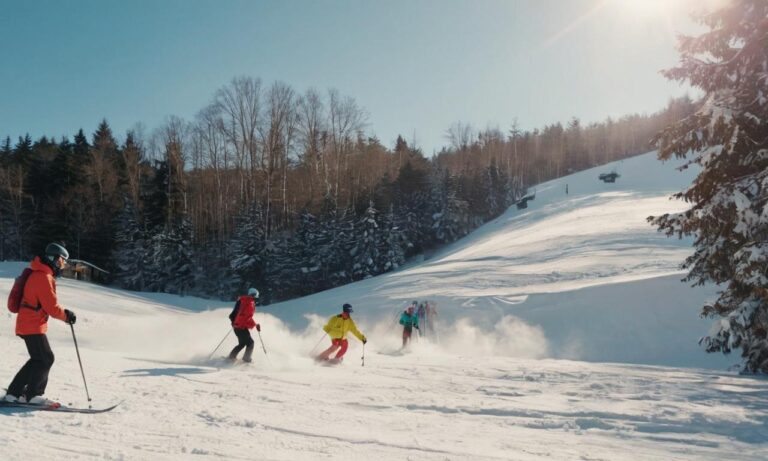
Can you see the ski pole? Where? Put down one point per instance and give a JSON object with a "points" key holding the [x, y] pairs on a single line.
{"points": [[363, 357], [262, 342], [318, 343], [222, 342], [77, 349], [263, 348]]}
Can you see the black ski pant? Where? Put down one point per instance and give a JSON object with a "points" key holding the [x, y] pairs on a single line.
{"points": [[32, 379], [244, 340]]}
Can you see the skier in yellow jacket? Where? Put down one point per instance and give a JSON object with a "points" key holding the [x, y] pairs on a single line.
{"points": [[337, 328]]}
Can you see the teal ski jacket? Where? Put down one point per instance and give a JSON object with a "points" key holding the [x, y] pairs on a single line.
{"points": [[409, 320]]}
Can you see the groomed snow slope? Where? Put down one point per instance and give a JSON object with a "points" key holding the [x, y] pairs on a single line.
{"points": [[579, 276], [585, 270]]}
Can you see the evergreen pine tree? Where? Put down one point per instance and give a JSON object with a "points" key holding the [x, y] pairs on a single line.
{"points": [[41, 186], [494, 190], [282, 265], [181, 257], [9, 242], [412, 212], [308, 240], [155, 195], [129, 252], [80, 158], [365, 252], [6, 153], [169, 259], [247, 246], [393, 243], [451, 215], [334, 253], [728, 138], [22, 152]]}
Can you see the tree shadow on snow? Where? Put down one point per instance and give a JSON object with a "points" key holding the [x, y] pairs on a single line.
{"points": [[167, 371]]}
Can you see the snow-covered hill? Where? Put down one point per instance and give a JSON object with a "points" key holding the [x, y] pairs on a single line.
{"points": [[587, 273], [532, 307]]}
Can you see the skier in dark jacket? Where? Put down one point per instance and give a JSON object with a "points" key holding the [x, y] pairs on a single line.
{"points": [[421, 313], [39, 302], [242, 321], [409, 320]]}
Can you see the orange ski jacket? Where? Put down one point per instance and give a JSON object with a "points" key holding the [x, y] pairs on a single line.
{"points": [[39, 301]]}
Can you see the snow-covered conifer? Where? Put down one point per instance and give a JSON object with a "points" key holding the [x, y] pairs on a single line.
{"points": [[728, 138], [129, 249], [365, 252], [393, 243], [450, 215], [247, 245]]}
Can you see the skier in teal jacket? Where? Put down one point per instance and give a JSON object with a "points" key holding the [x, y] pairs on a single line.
{"points": [[409, 320]]}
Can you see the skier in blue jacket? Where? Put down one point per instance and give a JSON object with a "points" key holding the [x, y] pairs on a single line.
{"points": [[409, 320]]}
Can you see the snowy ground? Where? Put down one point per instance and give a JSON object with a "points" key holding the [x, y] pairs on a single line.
{"points": [[533, 307]]}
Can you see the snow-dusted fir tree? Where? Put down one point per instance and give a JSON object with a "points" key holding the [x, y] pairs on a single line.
{"points": [[308, 240], [282, 267], [247, 246], [494, 189], [365, 253], [728, 138], [337, 239], [168, 261], [129, 250], [393, 243], [412, 207], [180, 257], [450, 216]]}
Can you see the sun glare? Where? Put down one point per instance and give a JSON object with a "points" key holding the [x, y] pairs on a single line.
{"points": [[637, 15], [647, 6], [642, 9]]}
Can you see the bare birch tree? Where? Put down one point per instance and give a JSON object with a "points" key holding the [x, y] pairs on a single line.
{"points": [[239, 104], [311, 126], [346, 119], [276, 133]]}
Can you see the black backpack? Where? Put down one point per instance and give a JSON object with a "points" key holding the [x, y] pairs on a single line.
{"points": [[236, 309]]}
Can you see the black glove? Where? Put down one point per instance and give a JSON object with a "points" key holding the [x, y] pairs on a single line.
{"points": [[258, 327], [365, 340], [71, 318]]}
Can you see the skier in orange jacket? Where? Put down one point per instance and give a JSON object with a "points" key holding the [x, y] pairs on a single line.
{"points": [[38, 303]]}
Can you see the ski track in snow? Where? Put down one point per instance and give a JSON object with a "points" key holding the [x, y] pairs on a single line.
{"points": [[562, 331]]}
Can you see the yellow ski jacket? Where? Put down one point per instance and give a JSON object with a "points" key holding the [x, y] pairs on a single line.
{"points": [[337, 328]]}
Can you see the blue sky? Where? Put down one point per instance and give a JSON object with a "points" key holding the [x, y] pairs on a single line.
{"points": [[416, 66]]}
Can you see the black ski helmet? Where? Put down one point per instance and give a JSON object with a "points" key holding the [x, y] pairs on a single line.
{"points": [[54, 250], [347, 308]]}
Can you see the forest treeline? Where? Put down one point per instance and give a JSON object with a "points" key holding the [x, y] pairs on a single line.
{"points": [[278, 189]]}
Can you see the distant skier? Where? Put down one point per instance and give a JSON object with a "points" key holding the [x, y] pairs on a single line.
{"points": [[242, 321], [431, 309], [39, 301], [337, 328], [421, 313], [409, 321]]}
